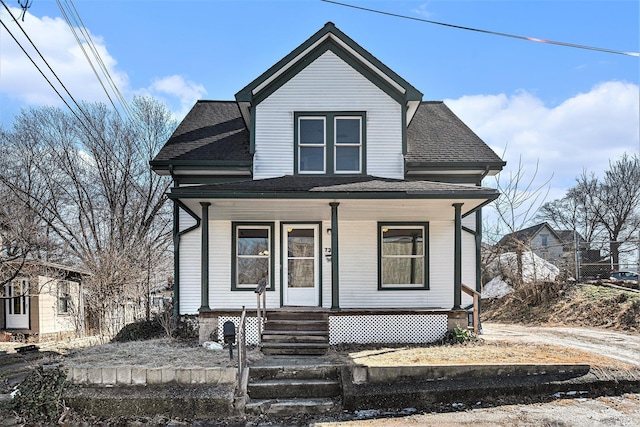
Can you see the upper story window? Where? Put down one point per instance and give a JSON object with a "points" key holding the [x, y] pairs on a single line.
{"points": [[330, 143]]}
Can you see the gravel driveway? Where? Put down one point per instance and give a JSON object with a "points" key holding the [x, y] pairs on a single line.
{"points": [[617, 345]]}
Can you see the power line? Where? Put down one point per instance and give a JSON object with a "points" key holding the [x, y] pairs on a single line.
{"points": [[495, 33], [72, 13], [44, 60], [90, 125]]}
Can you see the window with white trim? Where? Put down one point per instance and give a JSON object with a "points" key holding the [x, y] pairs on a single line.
{"points": [[403, 256], [64, 297], [330, 143], [252, 254], [16, 292]]}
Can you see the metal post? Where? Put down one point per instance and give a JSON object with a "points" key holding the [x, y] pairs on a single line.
{"points": [[457, 255]]}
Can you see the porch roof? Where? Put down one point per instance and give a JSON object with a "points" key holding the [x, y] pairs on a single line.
{"points": [[343, 187]]}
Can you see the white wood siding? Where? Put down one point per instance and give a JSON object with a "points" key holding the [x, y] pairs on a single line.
{"points": [[328, 84], [50, 321], [358, 269], [185, 220], [189, 273], [220, 293]]}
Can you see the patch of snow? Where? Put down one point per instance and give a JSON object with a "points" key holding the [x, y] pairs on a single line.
{"points": [[211, 345], [534, 268], [496, 288]]}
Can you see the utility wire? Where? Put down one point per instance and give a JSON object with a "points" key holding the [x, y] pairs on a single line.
{"points": [[495, 33], [75, 15], [45, 61], [89, 126], [84, 51]]}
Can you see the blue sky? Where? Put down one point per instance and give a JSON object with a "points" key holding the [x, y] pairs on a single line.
{"points": [[568, 109]]}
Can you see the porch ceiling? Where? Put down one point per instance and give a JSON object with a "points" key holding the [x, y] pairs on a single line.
{"points": [[319, 209]]}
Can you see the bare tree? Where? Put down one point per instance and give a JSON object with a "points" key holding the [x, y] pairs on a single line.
{"points": [[90, 185], [573, 212], [520, 198], [606, 207]]}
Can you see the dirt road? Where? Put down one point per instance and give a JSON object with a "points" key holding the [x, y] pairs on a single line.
{"points": [[617, 345]]}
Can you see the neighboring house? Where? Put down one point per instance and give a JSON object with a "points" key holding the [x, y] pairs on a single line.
{"points": [[331, 178], [44, 302], [540, 238], [556, 246]]}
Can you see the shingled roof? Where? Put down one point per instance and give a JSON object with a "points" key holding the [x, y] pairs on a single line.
{"points": [[213, 131], [322, 186], [437, 137]]}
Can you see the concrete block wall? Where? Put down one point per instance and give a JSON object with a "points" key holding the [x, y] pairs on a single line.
{"points": [[135, 375]]}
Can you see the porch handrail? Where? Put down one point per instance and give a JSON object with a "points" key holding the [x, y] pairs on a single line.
{"points": [[262, 311], [476, 306], [242, 349]]}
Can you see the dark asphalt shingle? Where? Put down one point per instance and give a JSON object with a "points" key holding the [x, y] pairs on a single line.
{"points": [[437, 136], [213, 131]]}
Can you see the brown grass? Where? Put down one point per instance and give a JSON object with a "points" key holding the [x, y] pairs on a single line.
{"points": [[481, 353], [585, 305]]}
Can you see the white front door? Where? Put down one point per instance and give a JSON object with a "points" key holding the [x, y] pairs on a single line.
{"points": [[16, 306], [301, 264]]}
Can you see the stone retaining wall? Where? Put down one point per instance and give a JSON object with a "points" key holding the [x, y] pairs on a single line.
{"points": [[135, 375]]}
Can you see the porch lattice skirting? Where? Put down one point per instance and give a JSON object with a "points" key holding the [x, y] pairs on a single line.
{"points": [[400, 328], [417, 328], [251, 331]]}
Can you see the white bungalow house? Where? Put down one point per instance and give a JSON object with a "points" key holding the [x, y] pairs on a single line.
{"points": [[43, 302], [331, 178]]}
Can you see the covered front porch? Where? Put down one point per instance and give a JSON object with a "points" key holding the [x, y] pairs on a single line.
{"points": [[392, 255]]}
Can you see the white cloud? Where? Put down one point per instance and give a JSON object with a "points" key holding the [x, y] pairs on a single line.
{"points": [[22, 82], [422, 10], [176, 86], [584, 132]]}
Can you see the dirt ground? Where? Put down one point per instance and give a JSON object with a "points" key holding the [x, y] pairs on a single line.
{"points": [[619, 345], [603, 411]]}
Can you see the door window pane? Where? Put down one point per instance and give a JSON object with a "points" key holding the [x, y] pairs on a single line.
{"points": [[301, 273], [300, 242]]}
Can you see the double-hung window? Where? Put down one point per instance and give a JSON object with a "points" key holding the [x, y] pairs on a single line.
{"points": [[64, 297], [252, 255], [403, 255], [330, 143], [17, 292]]}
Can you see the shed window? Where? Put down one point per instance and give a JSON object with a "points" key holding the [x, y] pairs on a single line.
{"points": [[64, 298]]}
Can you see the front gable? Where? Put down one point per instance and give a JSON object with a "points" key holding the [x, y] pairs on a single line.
{"points": [[332, 80]]}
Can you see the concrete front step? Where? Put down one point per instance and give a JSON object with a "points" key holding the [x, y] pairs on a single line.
{"points": [[291, 407], [298, 372], [279, 389]]}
